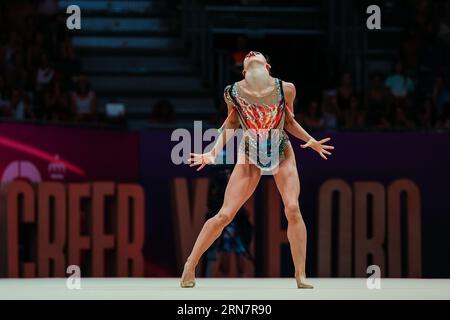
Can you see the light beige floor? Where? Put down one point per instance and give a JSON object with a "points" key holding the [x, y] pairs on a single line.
{"points": [[228, 289]]}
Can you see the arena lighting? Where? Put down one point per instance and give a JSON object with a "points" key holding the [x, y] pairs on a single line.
{"points": [[53, 213]]}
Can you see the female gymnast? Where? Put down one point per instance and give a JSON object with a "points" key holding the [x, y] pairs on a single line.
{"points": [[258, 102]]}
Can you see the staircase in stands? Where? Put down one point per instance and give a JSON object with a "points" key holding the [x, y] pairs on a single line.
{"points": [[133, 54]]}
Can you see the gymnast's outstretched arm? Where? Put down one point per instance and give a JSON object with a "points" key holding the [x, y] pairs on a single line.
{"points": [[226, 133]]}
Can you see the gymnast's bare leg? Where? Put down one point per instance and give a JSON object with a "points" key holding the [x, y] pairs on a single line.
{"points": [[288, 184], [242, 184]]}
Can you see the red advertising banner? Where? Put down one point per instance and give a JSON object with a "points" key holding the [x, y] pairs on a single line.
{"points": [[51, 153]]}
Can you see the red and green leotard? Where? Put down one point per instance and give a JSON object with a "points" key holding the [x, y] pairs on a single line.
{"points": [[263, 122]]}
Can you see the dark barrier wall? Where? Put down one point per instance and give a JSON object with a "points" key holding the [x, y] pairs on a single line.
{"points": [[380, 200]]}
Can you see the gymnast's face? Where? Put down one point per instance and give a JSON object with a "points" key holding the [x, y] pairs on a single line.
{"points": [[255, 57]]}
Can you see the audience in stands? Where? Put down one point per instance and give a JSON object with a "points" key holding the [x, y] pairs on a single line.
{"points": [[38, 65], [39, 74]]}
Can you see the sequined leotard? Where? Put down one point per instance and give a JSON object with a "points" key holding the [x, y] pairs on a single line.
{"points": [[263, 122]]}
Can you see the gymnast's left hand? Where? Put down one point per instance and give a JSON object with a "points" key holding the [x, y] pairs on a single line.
{"points": [[201, 159], [319, 146]]}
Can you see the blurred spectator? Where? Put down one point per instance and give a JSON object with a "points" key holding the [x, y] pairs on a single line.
{"points": [[20, 106], [330, 110], [377, 95], [312, 119], [68, 62], [427, 116], [231, 242], [83, 101], [163, 112], [400, 118], [399, 84], [440, 94], [345, 91], [56, 102], [44, 74], [354, 117], [377, 101]]}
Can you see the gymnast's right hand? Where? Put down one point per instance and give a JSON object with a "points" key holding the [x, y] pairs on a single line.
{"points": [[201, 160]]}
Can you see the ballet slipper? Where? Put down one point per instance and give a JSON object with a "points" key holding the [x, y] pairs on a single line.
{"points": [[187, 283]]}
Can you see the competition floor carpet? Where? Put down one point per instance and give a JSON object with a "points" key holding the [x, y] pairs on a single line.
{"points": [[228, 289]]}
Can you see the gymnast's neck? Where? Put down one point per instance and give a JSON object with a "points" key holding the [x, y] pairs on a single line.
{"points": [[257, 77]]}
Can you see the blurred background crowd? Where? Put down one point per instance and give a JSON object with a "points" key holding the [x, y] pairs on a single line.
{"points": [[39, 69], [43, 78]]}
